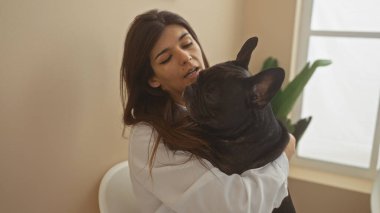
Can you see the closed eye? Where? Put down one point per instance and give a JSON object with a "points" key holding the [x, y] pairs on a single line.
{"points": [[166, 60], [187, 45]]}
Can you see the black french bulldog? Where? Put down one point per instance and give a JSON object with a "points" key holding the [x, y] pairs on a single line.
{"points": [[234, 113]]}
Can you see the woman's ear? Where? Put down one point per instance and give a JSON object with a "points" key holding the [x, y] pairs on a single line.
{"points": [[153, 82]]}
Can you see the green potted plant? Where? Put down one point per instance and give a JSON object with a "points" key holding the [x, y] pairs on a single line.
{"points": [[285, 99]]}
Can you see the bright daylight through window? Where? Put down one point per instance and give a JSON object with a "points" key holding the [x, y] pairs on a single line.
{"points": [[342, 98]]}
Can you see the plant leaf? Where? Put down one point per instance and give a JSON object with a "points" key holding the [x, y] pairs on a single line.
{"points": [[283, 101], [300, 128], [288, 124], [269, 63]]}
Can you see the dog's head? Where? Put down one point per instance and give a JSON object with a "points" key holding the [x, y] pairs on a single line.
{"points": [[226, 96]]}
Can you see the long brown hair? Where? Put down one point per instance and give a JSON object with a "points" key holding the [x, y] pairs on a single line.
{"points": [[141, 102]]}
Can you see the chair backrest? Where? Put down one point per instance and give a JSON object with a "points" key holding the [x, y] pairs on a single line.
{"points": [[115, 191], [375, 195]]}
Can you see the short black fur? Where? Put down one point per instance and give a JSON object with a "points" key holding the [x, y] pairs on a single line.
{"points": [[233, 109]]}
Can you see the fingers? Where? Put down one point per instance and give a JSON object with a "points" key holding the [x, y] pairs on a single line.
{"points": [[291, 147]]}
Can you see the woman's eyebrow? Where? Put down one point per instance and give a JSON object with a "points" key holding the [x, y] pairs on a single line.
{"points": [[183, 35], [166, 49], [160, 53]]}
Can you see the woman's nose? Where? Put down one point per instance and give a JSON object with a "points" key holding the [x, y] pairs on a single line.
{"points": [[184, 57]]}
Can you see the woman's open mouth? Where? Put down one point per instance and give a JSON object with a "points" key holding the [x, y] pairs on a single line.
{"points": [[192, 73]]}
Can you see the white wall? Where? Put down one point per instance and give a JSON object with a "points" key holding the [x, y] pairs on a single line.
{"points": [[60, 126]]}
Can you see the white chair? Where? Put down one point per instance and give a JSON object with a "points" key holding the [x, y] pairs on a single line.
{"points": [[375, 195], [115, 191]]}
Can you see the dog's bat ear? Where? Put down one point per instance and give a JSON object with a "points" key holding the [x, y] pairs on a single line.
{"points": [[244, 55], [264, 85]]}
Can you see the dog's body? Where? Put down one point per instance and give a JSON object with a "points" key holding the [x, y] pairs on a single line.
{"points": [[233, 110]]}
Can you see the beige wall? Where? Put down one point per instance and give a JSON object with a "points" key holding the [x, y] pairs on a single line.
{"points": [[316, 198], [60, 127], [273, 22]]}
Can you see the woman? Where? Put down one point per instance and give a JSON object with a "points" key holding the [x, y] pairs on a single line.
{"points": [[169, 170]]}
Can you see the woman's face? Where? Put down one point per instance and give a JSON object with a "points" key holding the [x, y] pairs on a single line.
{"points": [[176, 60]]}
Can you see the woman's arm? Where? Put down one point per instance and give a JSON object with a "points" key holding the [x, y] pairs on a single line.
{"points": [[184, 185]]}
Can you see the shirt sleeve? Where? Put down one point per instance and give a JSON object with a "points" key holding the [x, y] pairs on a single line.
{"points": [[185, 185]]}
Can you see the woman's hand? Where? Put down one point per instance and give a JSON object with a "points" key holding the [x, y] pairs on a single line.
{"points": [[291, 147]]}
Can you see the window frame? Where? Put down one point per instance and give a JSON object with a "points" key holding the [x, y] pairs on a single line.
{"points": [[302, 33]]}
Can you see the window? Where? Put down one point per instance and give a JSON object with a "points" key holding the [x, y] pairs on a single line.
{"points": [[343, 98]]}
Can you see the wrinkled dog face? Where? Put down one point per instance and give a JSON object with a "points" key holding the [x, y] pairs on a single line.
{"points": [[225, 96], [218, 95]]}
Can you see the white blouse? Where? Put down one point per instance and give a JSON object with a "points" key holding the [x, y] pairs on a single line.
{"points": [[181, 185]]}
